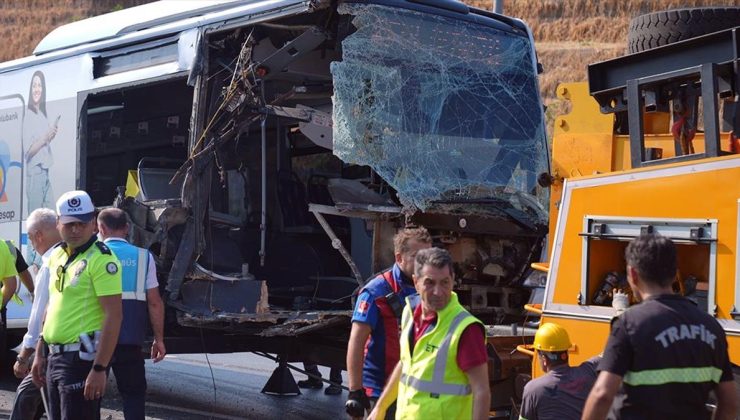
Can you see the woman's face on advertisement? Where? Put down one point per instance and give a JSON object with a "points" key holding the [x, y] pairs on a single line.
{"points": [[36, 90]]}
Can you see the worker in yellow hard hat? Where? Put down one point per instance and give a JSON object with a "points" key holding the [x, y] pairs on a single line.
{"points": [[562, 392]]}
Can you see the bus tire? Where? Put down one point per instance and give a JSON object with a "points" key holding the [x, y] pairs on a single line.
{"points": [[668, 26]]}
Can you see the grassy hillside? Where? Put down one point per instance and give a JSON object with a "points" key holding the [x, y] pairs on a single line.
{"points": [[23, 23]]}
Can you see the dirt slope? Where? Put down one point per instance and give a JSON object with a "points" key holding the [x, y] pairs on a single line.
{"points": [[23, 23], [570, 34]]}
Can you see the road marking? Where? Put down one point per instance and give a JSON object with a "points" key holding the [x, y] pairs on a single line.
{"points": [[193, 411]]}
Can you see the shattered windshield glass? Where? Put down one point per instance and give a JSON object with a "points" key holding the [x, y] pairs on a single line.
{"points": [[443, 109]]}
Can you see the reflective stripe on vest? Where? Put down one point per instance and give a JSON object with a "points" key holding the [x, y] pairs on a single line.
{"points": [[134, 268], [437, 384], [689, 375], [142, 265], [12, 250]]}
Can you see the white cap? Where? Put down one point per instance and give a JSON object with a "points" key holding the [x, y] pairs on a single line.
{"points": [[75, 206]]}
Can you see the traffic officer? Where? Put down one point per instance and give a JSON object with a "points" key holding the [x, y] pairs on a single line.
{"points": [[372, 351], [12, 264], [140, 292], [443, 371], [668, 353], [43, 236], [10, 283], [83, 317], [561, 393], [7, 276]]}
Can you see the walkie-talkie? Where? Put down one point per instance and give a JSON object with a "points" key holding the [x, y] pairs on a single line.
{"points": [[395, 303]]}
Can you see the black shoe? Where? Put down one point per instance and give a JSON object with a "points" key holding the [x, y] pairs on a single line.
{"points": [[310, 383], [333, 390]]}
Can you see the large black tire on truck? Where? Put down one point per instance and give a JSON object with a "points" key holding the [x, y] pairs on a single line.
{"points": [[669, 26]]}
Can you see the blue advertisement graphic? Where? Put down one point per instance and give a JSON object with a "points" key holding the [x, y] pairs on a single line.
{"points": [[5, 165]]}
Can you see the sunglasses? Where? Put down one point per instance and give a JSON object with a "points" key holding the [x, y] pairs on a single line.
{"points": [[59, 283]]}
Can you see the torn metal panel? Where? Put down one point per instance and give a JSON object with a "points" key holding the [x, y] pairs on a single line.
{"points": [[182, 261], [527, 215], [442, 109], [199, 59], [270, 324], [301, 326], [278, 62], [204, 295], [362, 211]]}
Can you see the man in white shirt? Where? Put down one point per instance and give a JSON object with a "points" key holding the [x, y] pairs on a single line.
{"points": [[43, 236]]}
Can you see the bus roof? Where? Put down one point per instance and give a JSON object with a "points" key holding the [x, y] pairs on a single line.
{"points": [[163, 18], [114, 24]]}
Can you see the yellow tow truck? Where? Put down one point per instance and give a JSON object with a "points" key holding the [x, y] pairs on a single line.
{"points": [[649, 145]]}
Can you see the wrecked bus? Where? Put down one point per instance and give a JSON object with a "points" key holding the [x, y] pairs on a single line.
{"points": [[267, 151]]}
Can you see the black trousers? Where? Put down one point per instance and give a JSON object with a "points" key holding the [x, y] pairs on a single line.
{"points": [[335, 374], [65, 382], [27, 404], [128, 368], [4, 331]]}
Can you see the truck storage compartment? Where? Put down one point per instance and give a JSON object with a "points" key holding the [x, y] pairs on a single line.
{"points": [[605, 241]]}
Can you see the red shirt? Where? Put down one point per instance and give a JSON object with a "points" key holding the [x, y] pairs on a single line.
{"points": [[471, 351]]}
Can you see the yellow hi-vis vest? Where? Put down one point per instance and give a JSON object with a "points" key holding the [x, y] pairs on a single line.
{"points": [[7, 268], [432, 386]]}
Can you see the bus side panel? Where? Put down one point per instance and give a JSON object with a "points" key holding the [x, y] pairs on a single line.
{"points": [[38, 148]]}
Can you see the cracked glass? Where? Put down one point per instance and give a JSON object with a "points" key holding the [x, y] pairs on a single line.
{"points": [[445, 110]]}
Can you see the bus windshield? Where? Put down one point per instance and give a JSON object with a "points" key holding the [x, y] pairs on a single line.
{"points": [[445, 110]]}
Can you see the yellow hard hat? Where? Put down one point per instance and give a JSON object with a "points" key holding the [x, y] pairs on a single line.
{"points": [[551, 337]]}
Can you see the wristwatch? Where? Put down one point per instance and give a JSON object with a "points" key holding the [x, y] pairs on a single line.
{"points": [[99, 368]]}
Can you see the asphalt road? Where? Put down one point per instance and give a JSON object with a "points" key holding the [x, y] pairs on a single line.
{"points": [[181, 387]]}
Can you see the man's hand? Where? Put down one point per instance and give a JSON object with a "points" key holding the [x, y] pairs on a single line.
{"points": [[38, 371], [95, 385], [357, 403], [620, 301], [20, 370], [727, 403], [158, 351]]}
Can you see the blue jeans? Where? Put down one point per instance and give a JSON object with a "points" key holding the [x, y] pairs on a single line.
{"points": [[38, 188], [128, 368], [65, 380]]}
